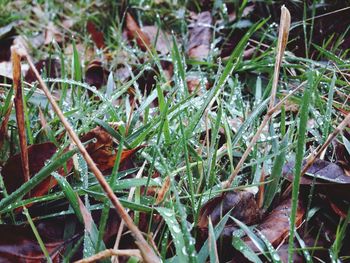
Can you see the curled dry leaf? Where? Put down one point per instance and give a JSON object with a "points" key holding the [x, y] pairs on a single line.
{"points": [[38, 154], [102, 150], [96, 75], [200, 36], [134, 32], [96, 35], [325, 172], [163, 191], [242, 203]]}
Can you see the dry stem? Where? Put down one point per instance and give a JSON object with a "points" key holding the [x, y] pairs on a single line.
{"points": [[111, 252], [282, 42], [19, 106]]}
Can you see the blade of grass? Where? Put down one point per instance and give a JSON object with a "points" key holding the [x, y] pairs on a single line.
{"points": [[232, 63], [304, 113], [247, 252], [175, 230], [204, 252], [213, 252], [276, 173], [37, 235], [80, 211]]}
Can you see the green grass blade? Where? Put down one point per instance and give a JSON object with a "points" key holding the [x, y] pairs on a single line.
{"points": [[204, 252], [37, 235], [247, 252], [176, 233], [304, 113], [276, 173]]}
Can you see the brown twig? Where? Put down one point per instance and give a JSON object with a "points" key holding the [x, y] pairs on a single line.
{"points": [[147, 252], [19, 106], [111, 252], [121, 227], [314, 156], [282, 42]]}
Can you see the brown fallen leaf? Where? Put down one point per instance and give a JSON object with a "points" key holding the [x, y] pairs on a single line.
{"points": [[21, 245], [96, 35], [103, 151], [275, 227], [134, 32], [96, 75], [325, 172], [200, 36], [5, 45], [242, 203], [52, 67], [38, 154]]}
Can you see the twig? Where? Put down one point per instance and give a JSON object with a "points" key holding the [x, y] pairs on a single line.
{"points": [[121, 227], [111, 252], [314, 156], [147, 252], [19, 106], [282, 42]]}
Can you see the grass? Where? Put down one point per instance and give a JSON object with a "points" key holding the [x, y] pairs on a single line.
{"points": [[195, 139]]}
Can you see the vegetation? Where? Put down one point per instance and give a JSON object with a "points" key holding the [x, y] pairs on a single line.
{"points": [[198, 129]]}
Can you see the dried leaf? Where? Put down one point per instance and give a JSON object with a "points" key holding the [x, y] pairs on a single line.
{"points": [[135, 32], [95, 74], [52, 68], [200, 36], [103, 150], [38, 154], [242, 203], [96, 35], [20, 244], [325, 173], [275, 227], [163, 191]]}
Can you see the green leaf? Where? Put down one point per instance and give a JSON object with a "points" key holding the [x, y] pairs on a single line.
{"points": [[176, 233], [239, 244]]}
